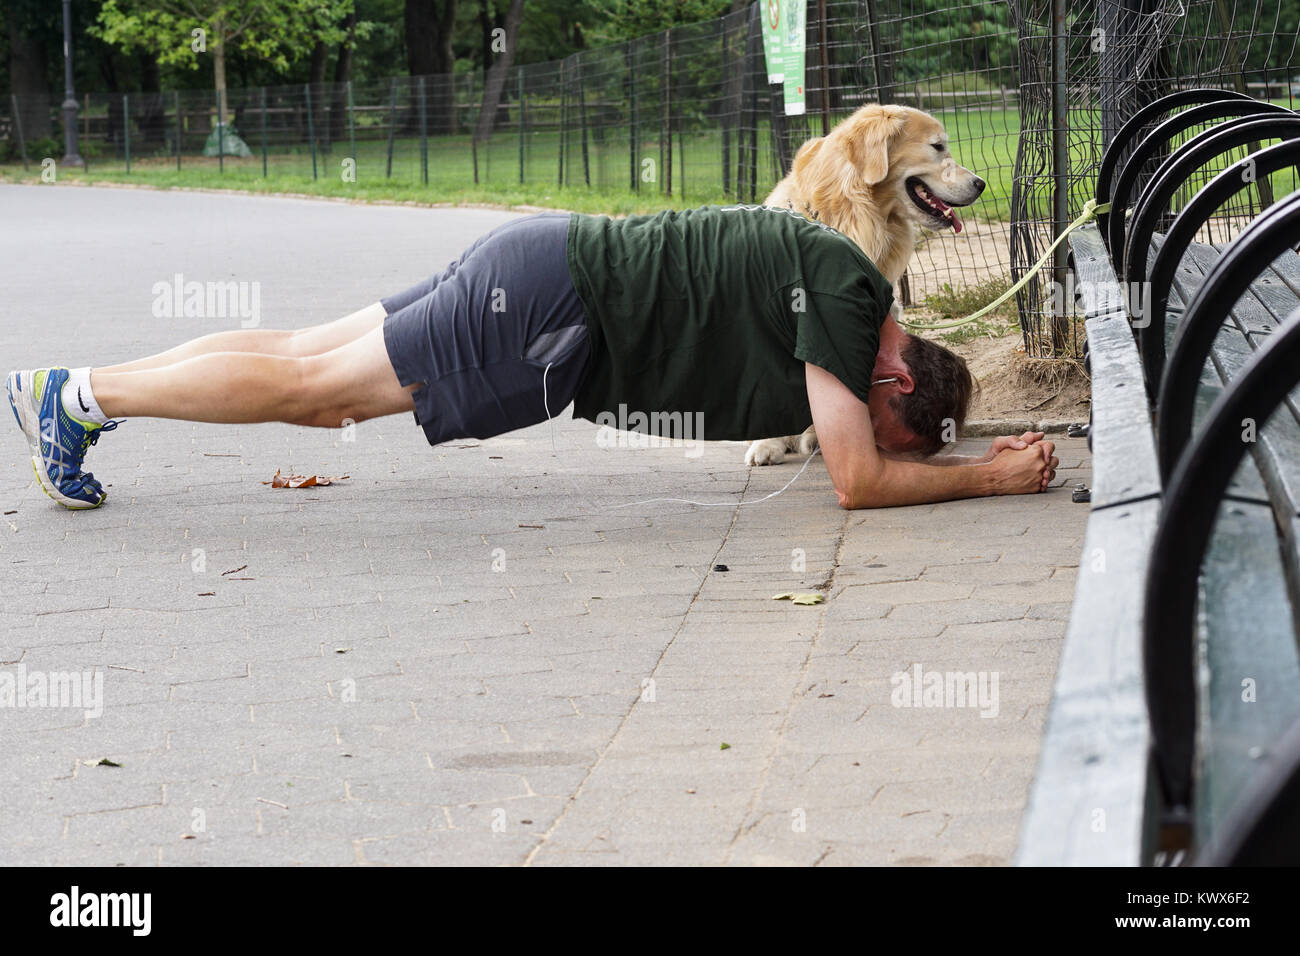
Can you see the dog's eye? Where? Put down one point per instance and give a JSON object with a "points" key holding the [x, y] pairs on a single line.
{"points": [[938, 146]]}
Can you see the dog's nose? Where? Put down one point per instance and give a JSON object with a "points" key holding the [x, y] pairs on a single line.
{"points": [[979, 184]]}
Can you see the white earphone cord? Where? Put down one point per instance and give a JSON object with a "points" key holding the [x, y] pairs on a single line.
{"points": [[727, 504], [741, 504], [546, 404], [688, 501]]}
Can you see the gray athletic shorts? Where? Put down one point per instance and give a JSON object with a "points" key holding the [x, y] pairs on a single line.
{"points": [[498, 338]]}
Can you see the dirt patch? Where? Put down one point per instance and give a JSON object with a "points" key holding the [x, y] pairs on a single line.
{"points": [[1016, 388]]}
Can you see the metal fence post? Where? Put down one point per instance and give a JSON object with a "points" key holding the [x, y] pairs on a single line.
{"points": [[180, 127], [634, 180], [352, 130], [126, 131], [754, 73], [726, 108], [824, 56], [264, 132], [18, 127], [879, 64], [681, 155], [666, 129], [311, 129], [473, 123], [582, 119], [1060, 161], [392, 128], [522, 106], [424, 136], [559, 172]]}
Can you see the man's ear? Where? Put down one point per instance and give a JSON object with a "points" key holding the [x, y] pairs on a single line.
{"points": [[906, 384], [869, 144]]}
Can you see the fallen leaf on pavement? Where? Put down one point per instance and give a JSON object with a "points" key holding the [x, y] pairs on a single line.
{"points": [[302, 481], [800, 597]]}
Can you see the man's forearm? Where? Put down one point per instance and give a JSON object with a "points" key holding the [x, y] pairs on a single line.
{"points": [[913, 483], [946, 461]]}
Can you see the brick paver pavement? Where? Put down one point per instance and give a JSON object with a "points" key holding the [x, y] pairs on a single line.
{"points": [[468, 654]]}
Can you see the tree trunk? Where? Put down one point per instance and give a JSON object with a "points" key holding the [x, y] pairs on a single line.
{"points": [[429, 53], [734, 52], [342, 73], [151, 112], [27, 78], [320, 54], [219, 70], [428, 36], [495, 78], [219, 56], [485, 25]]}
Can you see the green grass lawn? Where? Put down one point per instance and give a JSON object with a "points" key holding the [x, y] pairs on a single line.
{"points": [[983, 139]]}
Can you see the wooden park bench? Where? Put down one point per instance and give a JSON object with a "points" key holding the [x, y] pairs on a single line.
{"points": [[1173, 734]]}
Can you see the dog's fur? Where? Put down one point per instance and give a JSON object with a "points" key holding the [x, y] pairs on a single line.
{"points": [[862, 180]]}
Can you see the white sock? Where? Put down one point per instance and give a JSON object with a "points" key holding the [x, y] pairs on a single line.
{"points": [[80, 400]]}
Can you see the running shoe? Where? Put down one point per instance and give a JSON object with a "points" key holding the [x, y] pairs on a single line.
{"points": [[58, 439]]}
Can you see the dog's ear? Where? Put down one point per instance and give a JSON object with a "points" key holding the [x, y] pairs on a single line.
{"points": [[869, 142]]}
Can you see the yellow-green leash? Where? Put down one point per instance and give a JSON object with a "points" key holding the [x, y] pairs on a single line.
{"points": [[1091, 209]]}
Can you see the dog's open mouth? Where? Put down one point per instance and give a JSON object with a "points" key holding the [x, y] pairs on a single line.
{"points": [[932, 205]]}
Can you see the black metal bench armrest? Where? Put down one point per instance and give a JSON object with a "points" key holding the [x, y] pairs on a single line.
{"points": [[1186, 521], [1134, 125], [1184, 229], [1267, 237], [1158, 139], [1178, 169]]}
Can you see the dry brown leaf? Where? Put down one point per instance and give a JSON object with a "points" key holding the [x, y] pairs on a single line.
{"points": [[302, 481]]}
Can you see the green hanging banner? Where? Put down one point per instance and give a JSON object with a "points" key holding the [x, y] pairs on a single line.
{"points": [[770, 11], [793, 21]]}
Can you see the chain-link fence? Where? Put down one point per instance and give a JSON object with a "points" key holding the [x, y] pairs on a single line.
{"points": [[686, 117], [1081, 80]]}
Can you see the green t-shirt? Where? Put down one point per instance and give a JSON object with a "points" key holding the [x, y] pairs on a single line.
{"points": [[713, 312]]}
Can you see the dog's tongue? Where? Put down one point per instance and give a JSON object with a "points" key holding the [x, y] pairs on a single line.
{"points": [[956, 221]]}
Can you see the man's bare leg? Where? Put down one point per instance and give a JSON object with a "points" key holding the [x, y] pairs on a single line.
{"points": [[353, 381], [313, 340]]}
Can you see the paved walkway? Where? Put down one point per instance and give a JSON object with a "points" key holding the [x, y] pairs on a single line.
{"points": [[468, 654]]}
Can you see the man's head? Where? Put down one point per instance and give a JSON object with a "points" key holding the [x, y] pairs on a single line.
{"points": [[925, 405]]}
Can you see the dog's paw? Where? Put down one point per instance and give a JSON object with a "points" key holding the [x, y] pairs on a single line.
{"points": [[806, 443], [766, 451]]}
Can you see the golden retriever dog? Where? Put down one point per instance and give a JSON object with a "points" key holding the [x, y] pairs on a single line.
{"points": [[877, 177]]}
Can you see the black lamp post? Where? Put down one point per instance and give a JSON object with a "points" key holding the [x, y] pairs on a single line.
{"points": [[72, 156]]}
